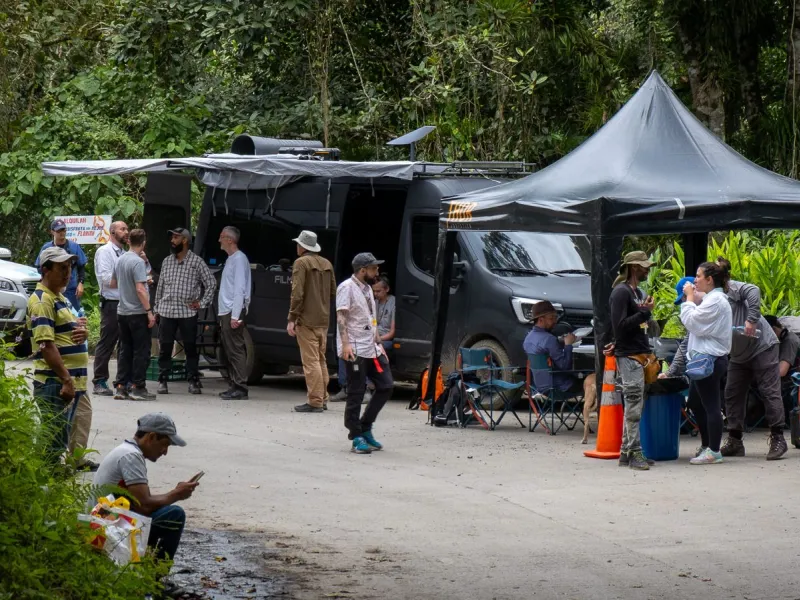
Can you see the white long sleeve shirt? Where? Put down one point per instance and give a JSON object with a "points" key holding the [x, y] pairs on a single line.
{"points": [[710, 324], [105, 259], [234, 288]]}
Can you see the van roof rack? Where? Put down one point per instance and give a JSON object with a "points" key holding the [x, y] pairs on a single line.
{"points": [[476, 168]]}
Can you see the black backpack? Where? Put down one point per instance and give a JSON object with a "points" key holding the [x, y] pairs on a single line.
{"points": [[449, 408]]}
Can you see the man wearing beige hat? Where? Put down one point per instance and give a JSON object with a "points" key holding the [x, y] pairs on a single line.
{"points": [[313, 289], [631, 311]]}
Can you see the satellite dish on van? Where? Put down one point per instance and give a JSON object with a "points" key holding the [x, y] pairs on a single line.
{"points": [[410, 140]]}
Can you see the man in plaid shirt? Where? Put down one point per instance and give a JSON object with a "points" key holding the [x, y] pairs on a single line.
{"points": [[185, 285]]}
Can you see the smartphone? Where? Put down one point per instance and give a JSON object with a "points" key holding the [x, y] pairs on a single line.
{"points": [[197, 477]]}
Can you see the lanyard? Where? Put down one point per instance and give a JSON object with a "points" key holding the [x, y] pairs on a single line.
{"points": [[366, 295]]}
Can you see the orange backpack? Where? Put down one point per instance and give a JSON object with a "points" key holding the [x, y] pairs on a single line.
{"points": [[422, 389]]}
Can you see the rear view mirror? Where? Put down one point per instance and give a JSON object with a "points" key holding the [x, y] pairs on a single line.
{"points": [[459, 269], [5, 253]]}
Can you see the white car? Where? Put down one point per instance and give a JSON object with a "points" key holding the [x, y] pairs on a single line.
{"points": [[17, 283]]}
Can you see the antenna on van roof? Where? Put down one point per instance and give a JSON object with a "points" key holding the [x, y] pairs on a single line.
{"points": [[410, 140]]}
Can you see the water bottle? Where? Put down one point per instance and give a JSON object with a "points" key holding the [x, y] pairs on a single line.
{"points": [[79, 314], [739, 330]]}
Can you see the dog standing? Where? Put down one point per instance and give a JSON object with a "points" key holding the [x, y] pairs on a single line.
{"points": [[589, 404]]}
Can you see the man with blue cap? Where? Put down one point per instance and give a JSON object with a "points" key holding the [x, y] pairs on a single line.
{"points": [[74, 291]]}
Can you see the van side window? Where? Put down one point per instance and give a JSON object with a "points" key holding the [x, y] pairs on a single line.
{"points": [[425, 243]]}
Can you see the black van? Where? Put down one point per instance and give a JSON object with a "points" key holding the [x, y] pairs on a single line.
{"points": [[498, 275]]}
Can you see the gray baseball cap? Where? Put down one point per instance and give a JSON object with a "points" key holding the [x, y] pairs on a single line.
{"points": [[160, 423], [366, 259], [181, 231], [55, 254]]}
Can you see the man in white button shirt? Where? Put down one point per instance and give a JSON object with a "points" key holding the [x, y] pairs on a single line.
{"points": [[358, 343], [234, 299], [105, 259]]}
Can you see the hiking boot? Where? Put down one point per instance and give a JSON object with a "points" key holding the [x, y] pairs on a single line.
{"points": [[101, 389], [732, 447], [370, 439], [706, 457], [234, 395], [121, 393], [360, 446], [195, 387], [341, 396], [141, 394], [162, 388], [777, 446], [307, 408], [624, 458], [638, 462]]}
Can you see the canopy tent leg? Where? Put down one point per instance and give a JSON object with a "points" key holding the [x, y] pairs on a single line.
{"points": [[606, 258], [441, 302], [695, 251]]}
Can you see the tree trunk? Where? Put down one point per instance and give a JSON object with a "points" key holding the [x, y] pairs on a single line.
{"points": [[707, 96], [794, 49], [747, 48]]}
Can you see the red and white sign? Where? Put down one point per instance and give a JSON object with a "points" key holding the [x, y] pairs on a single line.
{"points": [[88, 229]]}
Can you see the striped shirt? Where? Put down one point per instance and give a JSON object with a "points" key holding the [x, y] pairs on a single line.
{"points": [[51, 320]]}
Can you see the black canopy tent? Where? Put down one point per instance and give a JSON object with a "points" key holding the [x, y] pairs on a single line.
{"points": [[652, 169]]}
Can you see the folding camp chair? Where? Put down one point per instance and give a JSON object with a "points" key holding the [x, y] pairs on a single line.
{"points": [[543, 403], [479, 363]]}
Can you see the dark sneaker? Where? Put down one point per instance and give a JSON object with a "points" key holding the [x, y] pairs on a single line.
{"points": [[101, 389], [638, 462], [121, 393], [341, 396], [234, 395], [777, 446], [307, 408], [732, 447], [360, 446], [141, 394], [89, 465], [195, 387], [162, 388], [624, 458], [230, 390], [370, 439]]}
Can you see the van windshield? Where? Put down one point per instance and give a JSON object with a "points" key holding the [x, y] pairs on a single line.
{"points": [[529, 253]]}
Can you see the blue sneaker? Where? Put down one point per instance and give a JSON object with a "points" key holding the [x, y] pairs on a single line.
{"points": [[370, 439], [360, 446]]}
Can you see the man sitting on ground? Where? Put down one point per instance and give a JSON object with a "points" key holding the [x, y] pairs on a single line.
{"points": [[125, 467], [542, 341], [788, 342]]}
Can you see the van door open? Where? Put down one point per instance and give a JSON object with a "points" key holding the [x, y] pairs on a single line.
{"points": [[167, 205]]}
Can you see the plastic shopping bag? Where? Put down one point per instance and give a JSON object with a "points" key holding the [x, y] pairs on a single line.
{"points": [[118, 531]]}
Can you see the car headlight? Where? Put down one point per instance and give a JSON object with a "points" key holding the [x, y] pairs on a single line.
{"points": [[7, 286], [523, 308]]}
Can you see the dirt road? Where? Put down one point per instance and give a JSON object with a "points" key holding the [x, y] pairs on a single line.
{"points": [[445, 513]]}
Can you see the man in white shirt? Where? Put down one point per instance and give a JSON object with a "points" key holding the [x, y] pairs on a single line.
{"points": [[105, 259], [234, 299], [358, 343]]}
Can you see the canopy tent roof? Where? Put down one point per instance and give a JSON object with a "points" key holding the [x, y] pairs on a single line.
{"points": [[234, 171], [653, 168]]}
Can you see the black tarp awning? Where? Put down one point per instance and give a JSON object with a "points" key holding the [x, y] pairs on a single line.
{"points": [[652, 169]]}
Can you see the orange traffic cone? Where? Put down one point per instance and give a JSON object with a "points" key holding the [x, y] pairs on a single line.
{"points": [[609, 431]]}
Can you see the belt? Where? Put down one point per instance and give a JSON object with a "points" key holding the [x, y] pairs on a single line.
{"points": [[108, 299]]}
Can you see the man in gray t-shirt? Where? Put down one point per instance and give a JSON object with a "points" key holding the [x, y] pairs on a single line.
{"points": [[125, 467], [135, 318], [754, 358]]}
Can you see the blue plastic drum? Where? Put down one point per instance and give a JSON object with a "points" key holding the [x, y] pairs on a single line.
{"points": [[660, 428]]}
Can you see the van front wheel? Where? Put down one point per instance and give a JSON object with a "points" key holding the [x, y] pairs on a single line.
{"points": [[502, 360]]}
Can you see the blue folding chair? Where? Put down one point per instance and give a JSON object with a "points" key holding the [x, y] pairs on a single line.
{"points": [[487, 381], [543, 403]]}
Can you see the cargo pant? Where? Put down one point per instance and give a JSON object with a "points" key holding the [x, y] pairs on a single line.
{"points": [[632, 374], [313, 343], [81, 424], [764, 370]]}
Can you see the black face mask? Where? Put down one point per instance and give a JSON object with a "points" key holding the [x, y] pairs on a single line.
{"points": [[175, 249]]}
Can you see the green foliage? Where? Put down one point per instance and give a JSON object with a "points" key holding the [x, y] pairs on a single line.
{"points": [[44, 554]]}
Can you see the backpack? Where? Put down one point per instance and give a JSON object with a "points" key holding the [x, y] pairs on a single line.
{"points": [[450, 404], [418, 401]]}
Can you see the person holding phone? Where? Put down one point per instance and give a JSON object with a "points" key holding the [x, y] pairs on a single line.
{"points": [[631, 311], [126, 467]]}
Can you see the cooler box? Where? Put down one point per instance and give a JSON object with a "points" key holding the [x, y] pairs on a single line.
{"points": [[660, 428]]}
